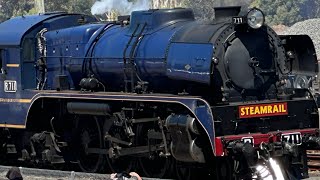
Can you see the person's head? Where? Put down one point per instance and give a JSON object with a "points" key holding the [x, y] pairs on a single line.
{"points": [[134, 174], [14, 174], [125, 176]]}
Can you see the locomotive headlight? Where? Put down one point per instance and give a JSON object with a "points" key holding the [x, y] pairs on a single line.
{"points": [[255, 18]]}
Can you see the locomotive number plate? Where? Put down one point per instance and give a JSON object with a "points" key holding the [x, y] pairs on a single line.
{"points": [[263, 110], [10, 86], [238, 20], [293, 138]]}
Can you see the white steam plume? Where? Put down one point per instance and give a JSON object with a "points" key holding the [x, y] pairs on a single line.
{"points": [[122, 6]]}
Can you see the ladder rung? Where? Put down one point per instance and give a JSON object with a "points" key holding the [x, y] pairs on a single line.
{"points": [[129, 65]]}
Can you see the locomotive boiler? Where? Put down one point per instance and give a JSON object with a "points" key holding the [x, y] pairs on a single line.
{"points": [[158, 92]]}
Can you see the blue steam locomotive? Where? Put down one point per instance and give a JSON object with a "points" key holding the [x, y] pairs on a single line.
{"points": [[157, 92]]}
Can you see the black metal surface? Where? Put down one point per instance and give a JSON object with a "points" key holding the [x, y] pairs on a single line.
{"points": [[62, 82], [303, 58], [157, 19], [261, 56], [88, 108], [226, 12], [196, 32], [229, 123], [246, 58], [183, 147]]}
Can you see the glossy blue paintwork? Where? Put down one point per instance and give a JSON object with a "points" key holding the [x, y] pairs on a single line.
{"points": [[157, 57], [11, 36], [192, 65], [66, 50], [150, 54], [14, 107], [19, 57]]}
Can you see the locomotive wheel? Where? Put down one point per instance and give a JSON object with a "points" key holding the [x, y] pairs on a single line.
{"points": [[123, 163], [184, 171], [224, 169], [2, 148], [152, 164], [90, 137]]}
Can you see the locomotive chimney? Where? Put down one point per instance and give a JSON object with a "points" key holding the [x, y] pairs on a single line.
{"points": [[226, 12], [124, 20]]}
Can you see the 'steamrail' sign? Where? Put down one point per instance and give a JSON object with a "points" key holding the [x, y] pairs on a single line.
{"points": [[262, 110]]}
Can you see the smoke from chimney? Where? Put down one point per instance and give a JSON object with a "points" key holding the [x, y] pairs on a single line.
{"points": [[123, 7]]}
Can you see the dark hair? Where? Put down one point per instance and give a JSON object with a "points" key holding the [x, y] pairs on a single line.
{"points": [[14, 174], [122, 175]]}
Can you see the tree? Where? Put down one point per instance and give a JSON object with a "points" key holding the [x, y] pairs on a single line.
{"points": [[72, 6], [57, 5], [203, 9], [11, 8], [243, 3], [285, 12], [310, 9], [82, 6]]}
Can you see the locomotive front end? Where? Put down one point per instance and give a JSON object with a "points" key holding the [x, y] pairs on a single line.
{"points": [[249, 56], [260, 116]]}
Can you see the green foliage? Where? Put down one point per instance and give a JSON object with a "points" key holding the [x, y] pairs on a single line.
{"points": [[81, 6], [285, 12], [311, 9], [57, 5], [204, 9], [288, 12], [243, 3], [75, 6], [11, 8]]}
